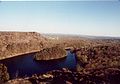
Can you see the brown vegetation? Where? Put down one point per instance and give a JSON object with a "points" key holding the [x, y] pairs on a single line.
{"points": [[101, 61], [16, 43], [100, 56], [50, 53], [4, 76], [18, 81], [98, 59], [66, 76]]}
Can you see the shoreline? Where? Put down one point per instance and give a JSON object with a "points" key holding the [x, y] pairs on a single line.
{"points": [[15, 55]]}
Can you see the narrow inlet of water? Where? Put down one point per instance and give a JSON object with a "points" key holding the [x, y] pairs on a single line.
{"points": [[24, 65]]}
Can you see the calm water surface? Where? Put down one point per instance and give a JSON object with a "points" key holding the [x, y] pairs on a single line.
{"points": [[24, 65]]}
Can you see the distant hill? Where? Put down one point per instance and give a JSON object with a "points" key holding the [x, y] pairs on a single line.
{"points": [[82, 36]]}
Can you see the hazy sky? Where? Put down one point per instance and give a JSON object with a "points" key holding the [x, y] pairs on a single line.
{"points": [[67, 17]]}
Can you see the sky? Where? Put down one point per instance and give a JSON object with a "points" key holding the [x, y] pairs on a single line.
{"points": [[98, 18]]}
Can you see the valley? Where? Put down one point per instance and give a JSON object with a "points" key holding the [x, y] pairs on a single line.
{"points": [[95, 60]]}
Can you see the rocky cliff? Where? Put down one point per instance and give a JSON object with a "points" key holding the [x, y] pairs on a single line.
{"points": [[66, 76], [15, 43]]}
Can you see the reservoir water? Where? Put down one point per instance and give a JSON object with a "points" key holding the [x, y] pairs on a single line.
{"points": [[25, 65]]}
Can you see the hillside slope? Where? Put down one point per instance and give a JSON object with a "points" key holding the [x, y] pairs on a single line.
{"points": [[51, 53], [15, 43]]}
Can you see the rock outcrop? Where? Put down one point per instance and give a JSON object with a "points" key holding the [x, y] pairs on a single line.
{"points": [[16, 43], [18, 81], [50, 53], [66, 76], [4, 76]]}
